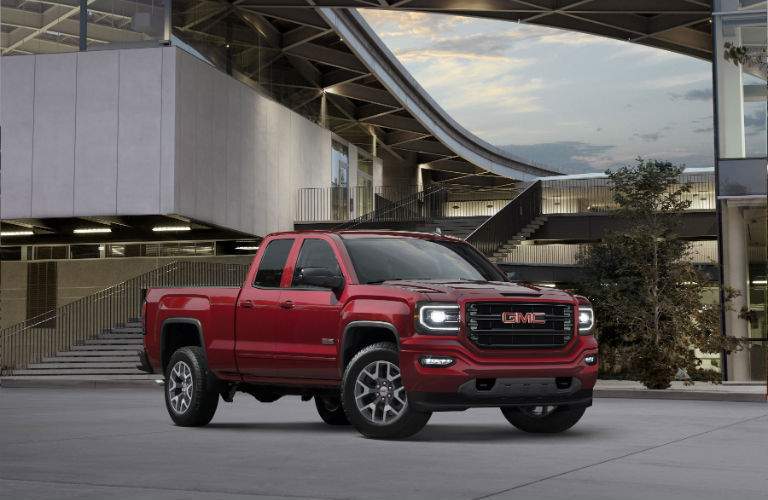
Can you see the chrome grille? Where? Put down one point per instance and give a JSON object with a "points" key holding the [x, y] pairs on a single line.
{"points": [[487, 330]]}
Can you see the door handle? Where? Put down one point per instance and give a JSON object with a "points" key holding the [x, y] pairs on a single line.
{"points": [[286, 304], [247, 304]]}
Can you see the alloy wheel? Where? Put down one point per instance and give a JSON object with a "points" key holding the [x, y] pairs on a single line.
{"points": [[180, 387], [379, 393]]}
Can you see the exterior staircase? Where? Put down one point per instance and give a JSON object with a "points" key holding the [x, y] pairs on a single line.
{"points": [[458, 227], [507, 248], [112, 356]]}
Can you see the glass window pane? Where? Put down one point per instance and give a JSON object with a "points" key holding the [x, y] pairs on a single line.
{"points": [[272, 263], [315, 253]]}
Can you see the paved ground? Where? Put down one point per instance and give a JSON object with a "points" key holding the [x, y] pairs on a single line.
{"points": [[95, 443]]}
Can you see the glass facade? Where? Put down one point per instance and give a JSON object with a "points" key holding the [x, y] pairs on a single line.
{"points": [[50, 27], [741, 68], [339, 180]]}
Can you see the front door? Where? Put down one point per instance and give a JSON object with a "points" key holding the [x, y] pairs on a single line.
{"points": [[307, 346], [259, 313]]}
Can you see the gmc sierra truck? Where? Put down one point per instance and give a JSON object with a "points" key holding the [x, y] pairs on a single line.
{"points": [[381, 329]]}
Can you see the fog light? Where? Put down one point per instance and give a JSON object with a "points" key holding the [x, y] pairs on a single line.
{"points": [[590, 359], [436, 361]]}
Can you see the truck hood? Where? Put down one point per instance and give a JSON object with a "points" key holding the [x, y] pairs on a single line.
{"points": [[453, 290]]}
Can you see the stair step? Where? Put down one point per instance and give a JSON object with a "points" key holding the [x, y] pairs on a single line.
{"points": [[107, 347], [74, 360], [84, 378], [126, 329], [129, 365], [121, 336], [83, 371], [103, 341], [98, 352]]}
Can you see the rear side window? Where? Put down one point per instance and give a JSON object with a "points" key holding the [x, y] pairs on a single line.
{"points": [[315, 253], [272, 263]]}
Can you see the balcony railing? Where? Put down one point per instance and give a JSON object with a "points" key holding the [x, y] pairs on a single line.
{"points": [[398, 203], [60, 329], [572, 196], [564, 254]]}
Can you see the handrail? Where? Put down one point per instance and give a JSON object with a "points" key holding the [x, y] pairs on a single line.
{"points": [[419, 206], [509, 221], [85, 318]]}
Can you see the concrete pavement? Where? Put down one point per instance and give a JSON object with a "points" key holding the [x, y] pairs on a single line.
{"points": [[94, 443]]}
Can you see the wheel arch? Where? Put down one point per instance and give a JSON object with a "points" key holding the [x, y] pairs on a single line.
{"points": [[359, 334], [180, 332]]}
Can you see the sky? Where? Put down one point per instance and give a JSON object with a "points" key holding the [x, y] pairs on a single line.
{"points": [[576, 102]]}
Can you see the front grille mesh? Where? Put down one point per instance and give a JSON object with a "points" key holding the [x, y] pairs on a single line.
{"points": [[487, 330]]}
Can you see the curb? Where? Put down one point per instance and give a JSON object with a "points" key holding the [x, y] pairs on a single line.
{"points": [[37, 383], [672, 394]]}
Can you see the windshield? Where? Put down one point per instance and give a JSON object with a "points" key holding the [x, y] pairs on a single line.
{"points": [[378, 259]]}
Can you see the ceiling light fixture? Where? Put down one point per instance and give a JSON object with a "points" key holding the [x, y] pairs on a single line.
{"points": [[16, 233], [247, 248], [166, 229], [92, 230]]}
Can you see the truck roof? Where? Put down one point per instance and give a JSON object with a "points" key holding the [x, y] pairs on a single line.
{"points": [[351, 233]]}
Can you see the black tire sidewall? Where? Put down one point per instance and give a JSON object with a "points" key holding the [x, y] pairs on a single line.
{"points": [[408, 424], [560, 420], [205, 396], [335, 416]]}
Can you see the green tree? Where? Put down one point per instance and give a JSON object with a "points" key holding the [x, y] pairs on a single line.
{"points": [[648, 297]]}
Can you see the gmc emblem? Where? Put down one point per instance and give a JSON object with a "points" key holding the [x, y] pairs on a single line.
{"points": [[531, 318]]}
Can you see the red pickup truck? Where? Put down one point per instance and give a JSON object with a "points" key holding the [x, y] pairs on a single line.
{"points": [[381, 329]]}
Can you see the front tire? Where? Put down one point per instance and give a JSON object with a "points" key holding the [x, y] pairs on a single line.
{"points": [[543, 419], [374, 398], [330, 410], [191, 392]]}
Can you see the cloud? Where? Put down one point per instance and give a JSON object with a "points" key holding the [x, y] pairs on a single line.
{"points": [[400, 24], [693, 95], [565, 156], [754, 123], [651, 137], [703, 130]]}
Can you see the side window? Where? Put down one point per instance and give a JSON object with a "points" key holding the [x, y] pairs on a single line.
{"points": [[272, 263], [315, 253]]}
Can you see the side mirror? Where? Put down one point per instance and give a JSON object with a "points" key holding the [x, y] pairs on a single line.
{"points": [[321, 277]]}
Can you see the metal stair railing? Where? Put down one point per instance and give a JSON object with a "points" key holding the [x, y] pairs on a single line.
{"points": [[420, 206], [509, 221], [60, 329]]}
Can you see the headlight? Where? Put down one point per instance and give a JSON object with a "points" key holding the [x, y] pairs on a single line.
{"points": [[586, 319], [438, 318]]}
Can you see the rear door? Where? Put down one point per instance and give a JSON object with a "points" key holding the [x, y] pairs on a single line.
{"points": [[259, 313], [307, 346]]}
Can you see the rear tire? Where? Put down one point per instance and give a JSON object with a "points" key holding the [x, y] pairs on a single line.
{"points": [[191, 391], [330, 410], [543, 419], [373, 396]]}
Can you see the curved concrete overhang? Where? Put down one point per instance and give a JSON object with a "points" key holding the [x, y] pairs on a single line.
{"points": [[370, 49]]}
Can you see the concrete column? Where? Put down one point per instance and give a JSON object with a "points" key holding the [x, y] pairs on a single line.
{"points": [[736, 276]]}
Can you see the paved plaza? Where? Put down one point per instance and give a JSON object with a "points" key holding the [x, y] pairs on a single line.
{"points": [[119, 443]]}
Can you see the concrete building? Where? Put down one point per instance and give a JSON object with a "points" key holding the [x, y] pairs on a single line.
{"points": [[136, 133]]}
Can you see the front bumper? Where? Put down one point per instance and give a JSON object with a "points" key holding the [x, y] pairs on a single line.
{"points": [[505, 393], [499, 378]]}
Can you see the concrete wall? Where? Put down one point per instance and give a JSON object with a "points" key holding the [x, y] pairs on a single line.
{"points": [[151, 131], [240, 156], [87, 133]]}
